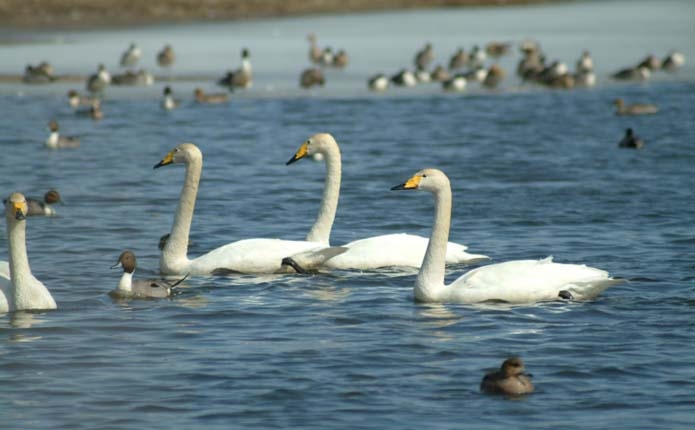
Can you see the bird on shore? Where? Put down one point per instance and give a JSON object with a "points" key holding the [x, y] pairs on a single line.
{"points": [[131, 56], [495, 75], [458, 60], [456, 83], [637, 73], [312, 77], [633, 109], [55, 141], [424, 57], [404, 78], [378, 82], [631, 140], [510, 379], [673, 61], [315, 52], [497, 49], [166, 57], [211, 98], [40, 74], [98, 82], [340, 59], [242, 77], [129, 288]]}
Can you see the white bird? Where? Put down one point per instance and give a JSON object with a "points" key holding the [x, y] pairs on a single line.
{"points": [[516, 282], [168, 100], [378, 82], [19, 289], [139, 288], [258, 255], [404, 250]]}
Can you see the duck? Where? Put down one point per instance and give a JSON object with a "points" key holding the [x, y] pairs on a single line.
{"points": [[41, 74], [19, 289], [166, 57], [93, 111], [477, 57], [584, 78], [389, 250], [651, 62], [312, 77], [378, 82], [214, 98], [128, 288], [634, 109], [315, 52], [495, 75], [456, 83], [440, 74], [424, 57], [341, 59], [251, 256], [168, 100], [76, 100], [131, 56], [673, 61], [141, 78], [458, 60], [585, 63], [510, 379], [43, 207], [55, 141], [497, 49], [404, 78], [476, 74], [514, 282], [98, 82], [630, 140], [242, 77], [326, 56], [632, 74]]}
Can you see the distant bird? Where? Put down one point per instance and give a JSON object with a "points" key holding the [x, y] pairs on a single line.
{"points": [[632, 74], [55, 141], [673, 61], [458, 60], [340, 59], [315, 52], [41, 74], [631, 140], [440, 74], [476, 74], [650, 62], [128, 288], [312, 77], [455, 83], [477, 57], [633, 109], [214, 98], [510, 379], [585, 63], [585, 79], [242, 77], [378, 82], [404, 78], [166, 57], [141, 78], [424, 57], [326, 56], [495, 75], [76, 100], [97, 82], [43, 207], [529, 47], [497, 49], [168, 101], [131, 56]]}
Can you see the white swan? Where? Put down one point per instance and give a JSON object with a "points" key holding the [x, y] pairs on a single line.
{"points": [[19, 289], [373, 252], [243, 256], [518, 282]]}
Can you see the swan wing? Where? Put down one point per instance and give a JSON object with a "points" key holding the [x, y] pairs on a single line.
{"points": [[399, 249]]}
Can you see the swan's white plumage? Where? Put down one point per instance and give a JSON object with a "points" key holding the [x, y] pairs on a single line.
{"points": [[519, 281], [19, 289], [373, 252], [244, 256]]}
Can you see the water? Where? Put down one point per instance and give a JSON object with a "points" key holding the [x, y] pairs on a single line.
{"points": [[534, 173]]}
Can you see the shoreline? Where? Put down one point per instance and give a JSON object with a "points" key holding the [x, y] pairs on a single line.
{"points": [[114, 14]]}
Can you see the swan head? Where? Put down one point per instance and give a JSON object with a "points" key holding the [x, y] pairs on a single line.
{"points": [[426, 179], [16, 206], [183, 153], [127, 261], [317, 144]]}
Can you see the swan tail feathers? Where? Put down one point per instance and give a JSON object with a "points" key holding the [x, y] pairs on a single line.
{"points": [[591, 289]]}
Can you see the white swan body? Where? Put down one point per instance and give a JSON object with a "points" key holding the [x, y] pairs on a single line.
{"points": [[19, 289], [388, 250], [244, 256], [517, 282]]}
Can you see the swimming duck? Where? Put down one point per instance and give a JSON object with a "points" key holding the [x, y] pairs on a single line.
{"points": [[673, 61], [141, 78], [633, 109], [242, 77], [166, 57], [510, 379], [19, 289], [458, 60], [93, 111], [56, 141], [131, 56], [258, 255], [214, 98], [631, 140], [585, 63], [311, 77], [97, 82], [77, 100], [37, 207], [168, 100], [378, 82], [515, 282], [585, 78], [128, 288], [632, 74], [389, 250], [424, 57], [404, 78]]}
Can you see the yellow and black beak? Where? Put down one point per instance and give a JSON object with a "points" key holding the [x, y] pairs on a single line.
{"points": [[20, 210], [410, 184], [301, 153], [168, 159]]}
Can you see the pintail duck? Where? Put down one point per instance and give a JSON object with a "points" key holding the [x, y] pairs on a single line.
{"points": [[340, 59], [315, 52], [585, 63], [495, 75], [214, 98], [455, 83], [168, 100], [631, 140], [637, 73], [633, 109], [242, 77], [497, 49], [650, 62], [312, 77], [424, 57], [476, 74], [378, 82], [40, 74], [37, 207], [56, 141], [76, 100], [93, 111], [134, 78], [131, 56], [477, 57], [166, 57], [458, 60], [440, 74], [97, 82], [510, 379], [404, 78], [674, 60], [128, 288]]}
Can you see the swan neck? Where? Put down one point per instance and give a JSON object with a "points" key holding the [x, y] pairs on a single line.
{"points": [[19, 260], [321, 230], [431, 274]]}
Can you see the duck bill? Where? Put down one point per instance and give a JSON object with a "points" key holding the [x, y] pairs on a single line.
{"points": [[301, 153], [168, 159]]}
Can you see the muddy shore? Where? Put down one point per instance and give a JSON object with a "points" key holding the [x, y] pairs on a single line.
{"points": [[87, 14]]}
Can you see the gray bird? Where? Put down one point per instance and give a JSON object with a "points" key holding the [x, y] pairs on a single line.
{"points": [[139, 288]]}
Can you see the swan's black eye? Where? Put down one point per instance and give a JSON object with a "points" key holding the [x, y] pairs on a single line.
{"points": [[424, 176]]}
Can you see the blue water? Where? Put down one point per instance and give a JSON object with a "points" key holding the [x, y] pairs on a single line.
{"points": [[534, 172]]}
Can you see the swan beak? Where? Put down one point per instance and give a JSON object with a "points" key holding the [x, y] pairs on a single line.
{"points": [[20, 210], [410, 184], [168, 159], [301, 153]]}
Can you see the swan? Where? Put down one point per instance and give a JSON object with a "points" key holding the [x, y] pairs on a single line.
{"points": [[256, 256], [517, 282], [139, 288], [19, 289], [510, 379], [373, 252]]}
